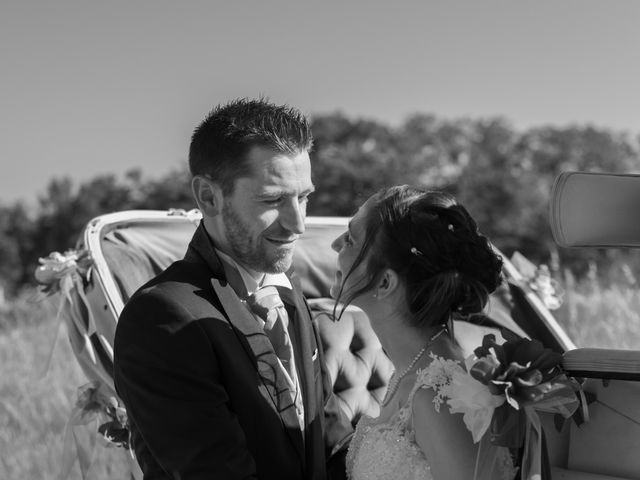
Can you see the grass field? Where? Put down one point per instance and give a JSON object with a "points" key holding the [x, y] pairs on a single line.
{"points": [[34, 408], [602, 313]]}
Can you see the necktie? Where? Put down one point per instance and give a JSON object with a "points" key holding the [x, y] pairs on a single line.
{"points": [[267, 304]]}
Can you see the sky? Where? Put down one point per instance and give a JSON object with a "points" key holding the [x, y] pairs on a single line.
{"points": [[90, 88]]}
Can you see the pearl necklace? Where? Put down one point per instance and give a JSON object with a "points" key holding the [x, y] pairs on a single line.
{"points": [[394, 383]]}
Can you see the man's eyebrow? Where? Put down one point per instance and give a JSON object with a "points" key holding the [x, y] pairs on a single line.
{"points": [[270, 193], [278, 192]]}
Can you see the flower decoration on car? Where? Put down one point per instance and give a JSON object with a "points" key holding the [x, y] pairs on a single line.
{"points": [[503, 388], [474, 400], [520, 368], [538, 278], [97, 410], [96, 403], [58, 272], [547, 288], [69, 273]]}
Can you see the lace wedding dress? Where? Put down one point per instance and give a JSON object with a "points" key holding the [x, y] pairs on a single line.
{"points": [[387, 450]]}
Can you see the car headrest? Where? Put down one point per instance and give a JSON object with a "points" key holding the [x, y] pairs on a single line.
{"points": [[589, 209]]}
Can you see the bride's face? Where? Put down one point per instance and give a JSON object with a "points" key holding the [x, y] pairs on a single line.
{"points": [[348, 246]]}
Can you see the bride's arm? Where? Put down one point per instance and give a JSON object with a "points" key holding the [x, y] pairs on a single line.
{"points": [[444, 439]]}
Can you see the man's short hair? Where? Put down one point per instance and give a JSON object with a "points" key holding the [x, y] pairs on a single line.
{"points": [[220, 144]]}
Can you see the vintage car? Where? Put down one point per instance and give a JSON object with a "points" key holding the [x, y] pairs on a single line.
{"points": [[118, 252]]}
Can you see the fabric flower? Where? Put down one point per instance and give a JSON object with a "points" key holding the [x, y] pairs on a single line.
{"points": [[95, 401], [538, 279], [57, 271], [547, 288], [500, 391], [520, 368], [474, 400]]}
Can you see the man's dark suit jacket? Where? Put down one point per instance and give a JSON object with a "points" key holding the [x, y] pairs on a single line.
{"points": [[199, 379]]}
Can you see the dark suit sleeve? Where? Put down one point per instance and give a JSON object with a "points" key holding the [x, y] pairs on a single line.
{"points": [[168, 378]]}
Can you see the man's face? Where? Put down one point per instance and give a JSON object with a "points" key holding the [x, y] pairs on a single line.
{"points": [[262, 219]]}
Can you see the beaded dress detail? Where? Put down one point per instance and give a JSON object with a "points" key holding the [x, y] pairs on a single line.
{"points": [[388, 450]]}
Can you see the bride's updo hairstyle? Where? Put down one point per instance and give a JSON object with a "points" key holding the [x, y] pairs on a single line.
{"points": [[435, 247]]}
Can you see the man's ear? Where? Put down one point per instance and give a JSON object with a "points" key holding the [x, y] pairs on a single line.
{"points": [[208, 195], [388, 284]]}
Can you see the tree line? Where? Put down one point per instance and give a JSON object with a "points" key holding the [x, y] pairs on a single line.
{"points": [[503, 176]]}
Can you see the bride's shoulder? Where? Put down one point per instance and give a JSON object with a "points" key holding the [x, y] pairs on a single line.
{"points": [[439, 370], [435, 379], [439, 433]]}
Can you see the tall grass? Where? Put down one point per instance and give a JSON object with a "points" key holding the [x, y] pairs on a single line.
{"points": [[34, 409], [602, 309]]}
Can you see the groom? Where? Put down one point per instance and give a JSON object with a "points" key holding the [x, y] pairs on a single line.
{"points": [[216, 359]]}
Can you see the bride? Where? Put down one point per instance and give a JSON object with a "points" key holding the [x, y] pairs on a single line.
{"points": [[410, 259]]}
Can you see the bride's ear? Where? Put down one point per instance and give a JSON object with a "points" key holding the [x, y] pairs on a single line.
{"points": [[388, 284]]}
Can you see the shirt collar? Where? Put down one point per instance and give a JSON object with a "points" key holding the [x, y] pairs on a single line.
{"points": [[250, 282]]}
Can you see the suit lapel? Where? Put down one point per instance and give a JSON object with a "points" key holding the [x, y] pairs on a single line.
{"points": [[307, 348], [274, 387]]}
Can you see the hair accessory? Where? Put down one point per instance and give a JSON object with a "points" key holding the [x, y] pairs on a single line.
{"points": [[450, 227], [415, 251]]}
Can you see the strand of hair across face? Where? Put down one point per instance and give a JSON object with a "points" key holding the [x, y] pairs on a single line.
{"points": [[394, 383]]}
